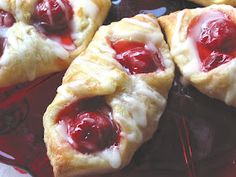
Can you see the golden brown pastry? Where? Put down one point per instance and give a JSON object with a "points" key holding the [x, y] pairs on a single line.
{"points": [[210, 2], [202, 42], [111, 99], [39, 37]]}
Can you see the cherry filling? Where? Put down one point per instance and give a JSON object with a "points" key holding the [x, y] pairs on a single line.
{"points": [[53, 15], [6, 21], [214, 33], [137, 57], [52, 18], [89, 125]]}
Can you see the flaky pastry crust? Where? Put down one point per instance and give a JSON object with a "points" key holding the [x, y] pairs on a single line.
{"points": [[210, 2], [218, 83], [96, 73], [28, 54]]}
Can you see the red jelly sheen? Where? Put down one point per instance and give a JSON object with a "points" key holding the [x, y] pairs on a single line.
{"points": [[89, 125], [53, 15], [6, 21], [136, 57], [214, 33]]}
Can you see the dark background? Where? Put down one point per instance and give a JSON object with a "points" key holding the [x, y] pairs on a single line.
{"points": [[196, 135]]}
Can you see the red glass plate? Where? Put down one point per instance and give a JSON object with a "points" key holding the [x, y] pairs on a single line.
{"points": [[196, 135]]}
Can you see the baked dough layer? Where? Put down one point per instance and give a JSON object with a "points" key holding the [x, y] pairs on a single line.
{"points": [[210, 2], [218, 83], [29, 54], [137, 101]]}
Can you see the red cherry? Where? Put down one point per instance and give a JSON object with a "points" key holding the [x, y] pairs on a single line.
{"points": [[219, 34], [92, 132], [53, 15], [215, 36], [6, 19], [214, 60], [136, 57], [122, 46], [89, 125]]}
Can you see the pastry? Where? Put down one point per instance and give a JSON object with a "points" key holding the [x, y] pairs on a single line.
{"points": [[202, 42], [210, 2], [39, 37], [110, 100]]}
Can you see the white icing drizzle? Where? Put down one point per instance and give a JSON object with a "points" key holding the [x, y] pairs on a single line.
{"points": [[101, 75], [193, 63], [154, 36], [168, 62], [19, 12], [90, 8], [57, 48], [83, 26], [186, 48], [175, 39], [136, 102], [62, 91], [95, 70], [3, 32], [140, 23], [153, 20], [134, 135], [138, 110], [112, 155], [4, 4], [64, 9], [22, 37], [133, 100], [61, 132], [49, 13]]}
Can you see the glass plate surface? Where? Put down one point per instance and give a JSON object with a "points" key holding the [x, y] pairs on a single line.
{"points": [[196, 135]]}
